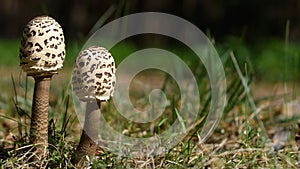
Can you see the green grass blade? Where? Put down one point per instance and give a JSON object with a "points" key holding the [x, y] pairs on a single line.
{"points": [[247, 91], [180, 120]]}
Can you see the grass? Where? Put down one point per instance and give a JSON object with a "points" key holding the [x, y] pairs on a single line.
{"points": [[244, 138]]}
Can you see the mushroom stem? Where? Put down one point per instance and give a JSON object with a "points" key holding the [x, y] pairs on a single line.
{"points": [[87, 145], [39, 116]]}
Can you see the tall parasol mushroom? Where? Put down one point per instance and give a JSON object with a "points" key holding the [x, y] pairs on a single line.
{"points": [[42, 53], [93, 82]]}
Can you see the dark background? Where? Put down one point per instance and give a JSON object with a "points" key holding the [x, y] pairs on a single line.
{"points": [[253, 20]]}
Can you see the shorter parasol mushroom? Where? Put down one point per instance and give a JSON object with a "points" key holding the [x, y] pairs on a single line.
{"points": [[93, 82], [42, 53]]}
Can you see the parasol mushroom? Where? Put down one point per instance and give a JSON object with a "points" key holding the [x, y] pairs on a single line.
{"points": [[93, 82], [42, 53]]}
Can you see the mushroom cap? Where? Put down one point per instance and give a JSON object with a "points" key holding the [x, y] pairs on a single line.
{"points": [[94, 74], [42, 49]]}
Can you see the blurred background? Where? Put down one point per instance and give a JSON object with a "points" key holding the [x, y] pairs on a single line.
{"points": [[253, 20], [265, 32]]}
